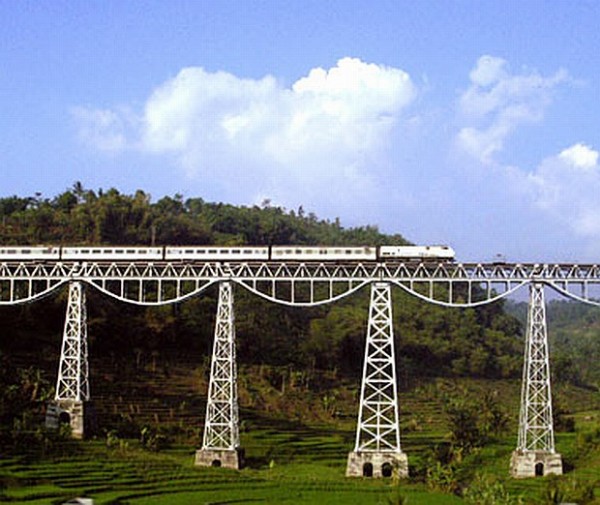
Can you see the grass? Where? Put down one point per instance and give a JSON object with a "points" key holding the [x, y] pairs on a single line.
{"points": [[137, 477], [289, 462], [293, 465]]}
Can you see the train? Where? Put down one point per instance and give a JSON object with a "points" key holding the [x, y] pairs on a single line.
{"points": [[383, 253]]}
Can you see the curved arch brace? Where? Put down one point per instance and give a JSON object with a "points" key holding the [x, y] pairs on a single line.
{"points": [[37, 296], [443, 303], [313, 303], [153, 303], [573, 296]]}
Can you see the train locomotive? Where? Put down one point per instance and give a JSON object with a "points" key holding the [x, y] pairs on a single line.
{"points": [[437, 253]]}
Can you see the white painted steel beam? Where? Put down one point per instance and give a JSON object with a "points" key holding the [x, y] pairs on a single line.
{"points": [[378, 428], [221, 430], [73, 372], [536, 431]]}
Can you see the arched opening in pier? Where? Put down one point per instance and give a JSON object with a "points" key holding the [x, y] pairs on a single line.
{"points": [[539, 469], [64, 418], [368, 470], [386, 470], [216, 463]]}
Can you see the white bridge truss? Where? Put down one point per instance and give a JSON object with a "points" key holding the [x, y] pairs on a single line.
{"points": [[296, 284], [309, 284], [73, 373], [378, 427], [535, 420], [221, 431]]}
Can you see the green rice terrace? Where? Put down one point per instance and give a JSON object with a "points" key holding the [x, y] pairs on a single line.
{"points": [[458, 434]]}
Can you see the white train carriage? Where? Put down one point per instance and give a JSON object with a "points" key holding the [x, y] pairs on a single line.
{"points": [[111, 253], [417, 252], [321, 253], [12, 253], [213, 253]]}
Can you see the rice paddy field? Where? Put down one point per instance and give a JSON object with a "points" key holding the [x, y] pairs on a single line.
{"points": [[296, 462], [300, 466]]}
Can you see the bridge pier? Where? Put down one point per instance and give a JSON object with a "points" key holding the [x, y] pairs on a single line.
{"points": [[535, 454], [71, 400], [221, 440], [377, 451]]}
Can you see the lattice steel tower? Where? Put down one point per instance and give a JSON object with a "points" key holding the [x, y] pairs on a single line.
{"points": [[535, 453], [221, 441], [377, 450], [72, 385]]}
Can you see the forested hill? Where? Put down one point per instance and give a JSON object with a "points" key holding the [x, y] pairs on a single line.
{"points": [[574, 335], [483, 342], [80, 216]]}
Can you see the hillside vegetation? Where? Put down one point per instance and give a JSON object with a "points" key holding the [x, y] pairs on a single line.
{"points": [[574, 337], [484, 342]]}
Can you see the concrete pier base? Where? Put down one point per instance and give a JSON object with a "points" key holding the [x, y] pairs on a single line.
{"points": [[79, 415], [524, 464], [225, 458], [377, 464]]}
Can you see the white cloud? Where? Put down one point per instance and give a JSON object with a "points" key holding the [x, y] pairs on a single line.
{"points": [[322, 130], [497, 102], [198, 107], [489, 70], [101, 128], [567, 187], [580, 156]]}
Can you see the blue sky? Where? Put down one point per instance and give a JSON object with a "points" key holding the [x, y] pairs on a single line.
{"points": [[469, 123]]}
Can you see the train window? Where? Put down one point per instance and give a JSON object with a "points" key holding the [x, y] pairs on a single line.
{"points": [[212, 251], [11, 251], [235, 251], [25, 251], [131, 251]]}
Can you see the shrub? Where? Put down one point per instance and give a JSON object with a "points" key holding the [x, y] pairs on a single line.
{"points": [[488, 491]]}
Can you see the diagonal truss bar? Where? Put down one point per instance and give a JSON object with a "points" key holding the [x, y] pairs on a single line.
{"points": [[536, 431], [293, 283], [221, 431], [378, 427], [73, 373]]}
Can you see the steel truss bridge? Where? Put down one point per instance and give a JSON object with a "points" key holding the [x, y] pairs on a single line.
{"points": [[377, 449]]}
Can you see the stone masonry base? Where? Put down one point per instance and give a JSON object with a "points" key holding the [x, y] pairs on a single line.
{"points": [[79, 415], [525, 464], [225, 458], [377, 464]]}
